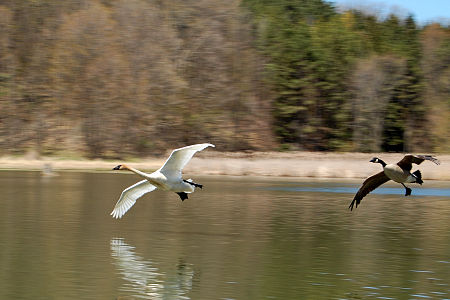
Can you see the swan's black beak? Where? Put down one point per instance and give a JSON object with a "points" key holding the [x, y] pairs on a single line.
{"points": [[117, 168]]}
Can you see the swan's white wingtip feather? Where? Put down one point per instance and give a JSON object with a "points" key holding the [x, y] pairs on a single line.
{"points": [[115, 214]]}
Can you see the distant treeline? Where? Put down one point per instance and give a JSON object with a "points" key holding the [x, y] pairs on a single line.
{"points": [[118, 78]]}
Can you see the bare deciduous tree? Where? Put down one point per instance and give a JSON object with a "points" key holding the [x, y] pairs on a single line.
{"points": [[372, 83]]}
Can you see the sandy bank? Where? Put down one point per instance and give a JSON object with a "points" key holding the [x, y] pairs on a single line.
{"points": [[292, 164]]}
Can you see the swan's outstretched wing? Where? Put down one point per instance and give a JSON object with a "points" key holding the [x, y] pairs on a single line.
{"points": [[129, 197], [179, 158], [369, 185]]}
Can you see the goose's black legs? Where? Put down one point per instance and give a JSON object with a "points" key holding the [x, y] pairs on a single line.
{"points": [[408, 190], [194, 184]]}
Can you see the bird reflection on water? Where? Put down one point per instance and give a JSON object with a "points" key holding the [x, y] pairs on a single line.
{"points": [[147, 281]]}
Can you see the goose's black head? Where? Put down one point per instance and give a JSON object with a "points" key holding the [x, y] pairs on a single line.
{"points": [[376, 160], [119, 167]]}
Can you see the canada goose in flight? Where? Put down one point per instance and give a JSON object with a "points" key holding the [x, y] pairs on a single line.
{"points": [[399, 172], [167, 178]]}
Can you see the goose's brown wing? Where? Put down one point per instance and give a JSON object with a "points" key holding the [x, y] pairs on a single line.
{"points": [[369, 185], [408, 160]]}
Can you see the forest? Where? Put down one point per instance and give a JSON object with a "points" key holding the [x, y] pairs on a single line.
{"points": [[127, 78]]}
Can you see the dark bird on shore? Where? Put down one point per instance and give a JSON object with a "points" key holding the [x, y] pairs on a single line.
{"points": [[399, 172]]}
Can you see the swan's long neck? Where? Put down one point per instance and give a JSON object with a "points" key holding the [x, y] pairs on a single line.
{"points": [[140, 173]]}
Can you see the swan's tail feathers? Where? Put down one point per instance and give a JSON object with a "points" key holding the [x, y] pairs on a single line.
{"points": [[129, 196], [183, 196], [418, 176]]}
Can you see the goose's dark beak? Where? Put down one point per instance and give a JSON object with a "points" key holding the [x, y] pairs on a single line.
{"points": [[117, 167]]}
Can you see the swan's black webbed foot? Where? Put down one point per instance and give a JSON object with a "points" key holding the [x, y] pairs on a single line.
{"points": [[194, 184], [183, 196]]}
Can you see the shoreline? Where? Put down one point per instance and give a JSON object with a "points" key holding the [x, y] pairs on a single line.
{"points": [[274, 164]]}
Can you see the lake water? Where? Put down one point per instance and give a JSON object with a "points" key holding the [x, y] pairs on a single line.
{"points": [[238, 238]]}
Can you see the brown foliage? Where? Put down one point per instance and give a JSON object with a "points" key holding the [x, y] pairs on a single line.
{"points": [[436, 70], [133, 77]]}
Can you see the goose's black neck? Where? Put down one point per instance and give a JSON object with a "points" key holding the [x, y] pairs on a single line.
{"points": [[381, 162], [376, 160]]}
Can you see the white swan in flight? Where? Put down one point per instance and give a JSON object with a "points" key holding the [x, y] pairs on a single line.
{"points": [[167, 178]]}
